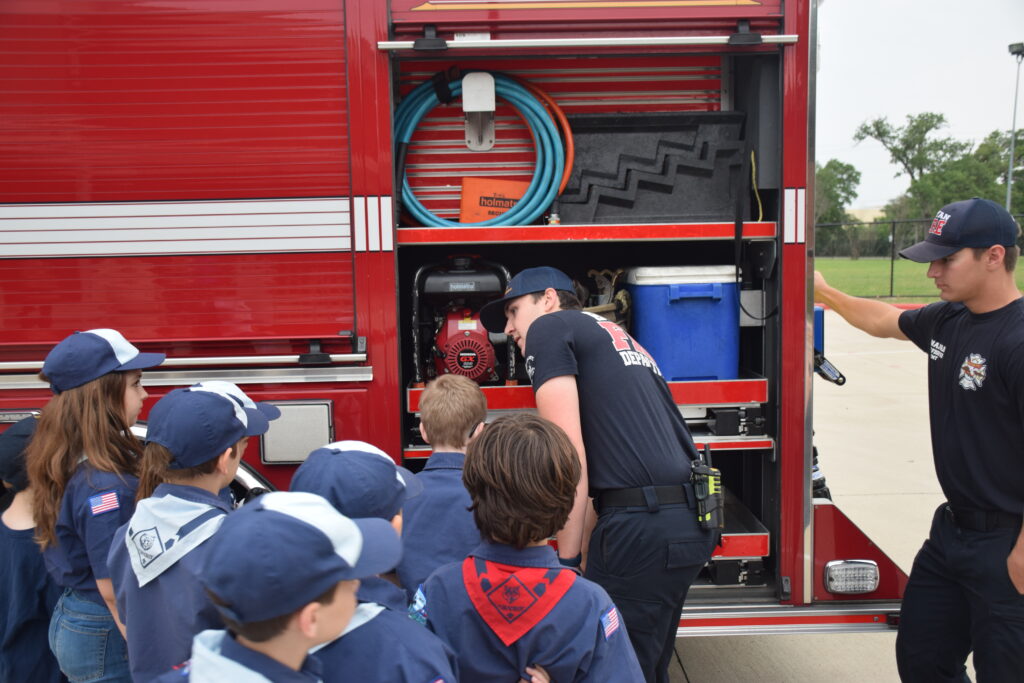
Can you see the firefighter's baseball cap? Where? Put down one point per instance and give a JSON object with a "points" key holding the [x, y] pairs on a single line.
{"points": [[972, 222], [85, 356], [525, 282]]}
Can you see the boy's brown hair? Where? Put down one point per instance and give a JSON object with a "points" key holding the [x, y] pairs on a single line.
{"points": [[262, 631], [521, 473], [450, 409], [155, 468]]}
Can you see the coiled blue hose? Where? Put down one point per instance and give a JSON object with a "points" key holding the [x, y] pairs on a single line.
{"points": [[547, 172]]}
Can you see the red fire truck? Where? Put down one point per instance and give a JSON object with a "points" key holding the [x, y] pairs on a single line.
{"points": [[313, 198]]}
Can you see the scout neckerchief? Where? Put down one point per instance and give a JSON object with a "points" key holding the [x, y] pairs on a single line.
{"points": [[511, 600], [163, 530]]}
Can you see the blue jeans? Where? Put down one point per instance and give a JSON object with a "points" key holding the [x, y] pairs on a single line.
{"points": [[86, 642]]}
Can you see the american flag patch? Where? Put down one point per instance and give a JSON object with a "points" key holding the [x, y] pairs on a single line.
{"points": [[610, 622], [104, 502]]}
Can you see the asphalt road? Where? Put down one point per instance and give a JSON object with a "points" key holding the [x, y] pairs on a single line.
{"points": [[874, 449]]}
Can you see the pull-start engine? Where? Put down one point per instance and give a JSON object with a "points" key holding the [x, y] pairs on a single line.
{"points": [[462, 347], [447, 299]]}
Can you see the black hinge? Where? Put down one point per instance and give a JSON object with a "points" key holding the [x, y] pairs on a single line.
{"points": [[429, 42], [315, 356], [743, 36]]}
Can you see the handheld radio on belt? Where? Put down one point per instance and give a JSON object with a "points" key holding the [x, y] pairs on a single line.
{"points": [[707, 488]]}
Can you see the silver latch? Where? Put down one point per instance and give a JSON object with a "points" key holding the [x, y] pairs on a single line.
{"points": [[478, 107]]}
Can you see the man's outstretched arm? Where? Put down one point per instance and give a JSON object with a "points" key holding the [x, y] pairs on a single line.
{"points": [[877, 318]]}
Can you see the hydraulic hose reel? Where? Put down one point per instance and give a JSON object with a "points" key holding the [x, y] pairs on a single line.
{"points": [[543, 118]]}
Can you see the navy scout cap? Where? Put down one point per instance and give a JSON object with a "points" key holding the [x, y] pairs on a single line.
{"points": [[973, 222], [85, 356], [283, 550], [525, 282], [358, 479], [12, 452], [267, 410], [198, 424]]}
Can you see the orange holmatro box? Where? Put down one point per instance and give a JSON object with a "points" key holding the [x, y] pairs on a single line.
{"points": [[487, 198]]}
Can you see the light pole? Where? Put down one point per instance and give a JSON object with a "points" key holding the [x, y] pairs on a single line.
{"points": [[1017, 50]]}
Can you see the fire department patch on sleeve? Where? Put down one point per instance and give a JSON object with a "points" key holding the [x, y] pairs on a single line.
{"points": [[610, 622], [104, 502], [418, 607]]}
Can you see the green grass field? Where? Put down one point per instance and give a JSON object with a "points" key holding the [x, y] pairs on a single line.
{"points": [[870, 277]]}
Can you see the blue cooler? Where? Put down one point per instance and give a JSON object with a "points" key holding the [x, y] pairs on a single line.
{"points": [[688, 318]]}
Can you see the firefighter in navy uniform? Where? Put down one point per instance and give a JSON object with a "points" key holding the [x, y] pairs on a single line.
{"points": [[966, 588], [600, 386]]}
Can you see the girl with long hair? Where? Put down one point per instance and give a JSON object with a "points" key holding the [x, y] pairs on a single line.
{"points": [[83, 466]]}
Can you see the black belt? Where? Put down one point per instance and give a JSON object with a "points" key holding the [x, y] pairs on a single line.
{"points": [[644, 496], [982, 520]]}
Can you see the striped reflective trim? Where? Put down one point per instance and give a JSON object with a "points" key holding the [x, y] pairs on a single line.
{"points": [[198, 227], [794, 225], [373, 223]]}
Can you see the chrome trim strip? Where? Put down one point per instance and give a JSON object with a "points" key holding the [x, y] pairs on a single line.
{"points": [[773, 610], [179, 378], [37, 365], [651, 41], [174, 227], [782, 629], [783, 614]]}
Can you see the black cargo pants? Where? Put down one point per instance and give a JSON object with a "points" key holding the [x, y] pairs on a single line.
{"points": [[646, 559], [960, 598]]}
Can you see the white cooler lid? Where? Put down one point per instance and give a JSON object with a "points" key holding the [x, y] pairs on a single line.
{"points": [[681, 275]]}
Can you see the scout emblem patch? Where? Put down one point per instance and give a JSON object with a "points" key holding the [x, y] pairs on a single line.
{"points": [[148, 544], [103, 502], [512, 600]]}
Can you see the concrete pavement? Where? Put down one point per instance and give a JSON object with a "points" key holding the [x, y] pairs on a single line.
{"points": [[874, 448]]}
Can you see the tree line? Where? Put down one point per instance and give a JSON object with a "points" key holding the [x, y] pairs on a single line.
{"points": [[941, 170]]}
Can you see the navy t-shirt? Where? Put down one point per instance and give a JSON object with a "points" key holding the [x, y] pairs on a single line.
{"points": [[27, 597], [976, 401], [633, 432], [94, 505]]}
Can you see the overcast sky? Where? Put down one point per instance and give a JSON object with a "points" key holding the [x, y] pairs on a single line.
{"points": [[898, 57]]}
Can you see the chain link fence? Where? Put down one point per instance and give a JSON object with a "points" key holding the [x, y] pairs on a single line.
{"points": [[863, 259]]}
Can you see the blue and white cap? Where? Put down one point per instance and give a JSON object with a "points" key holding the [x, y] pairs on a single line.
{"points": [[259, 414], [198, 424], [284, 549], [85, 356], [359, 479]]}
